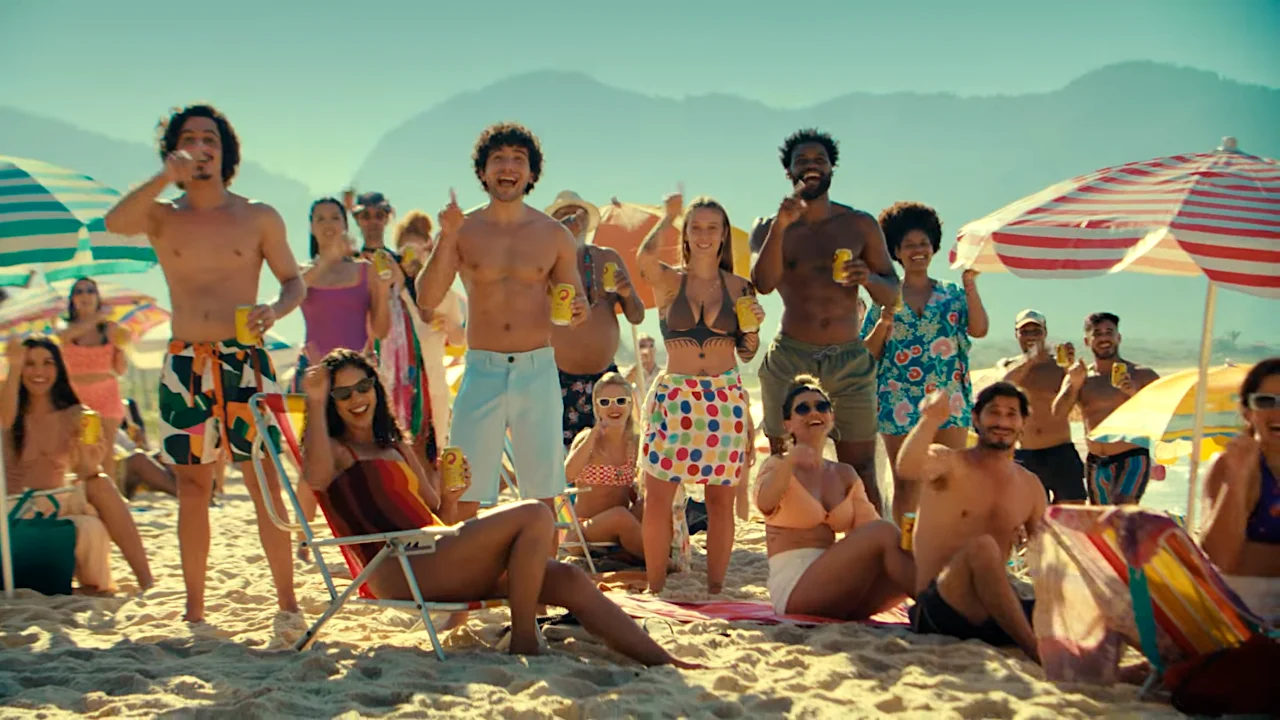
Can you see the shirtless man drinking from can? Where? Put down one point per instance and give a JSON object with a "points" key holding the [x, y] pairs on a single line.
{"points": [[211, 244], [1046, 448], [585, 353], [509, 255], [795, 253], [1116, 472]]}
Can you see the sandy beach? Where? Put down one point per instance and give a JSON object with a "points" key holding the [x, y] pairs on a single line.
{"points": [[132, 655]]}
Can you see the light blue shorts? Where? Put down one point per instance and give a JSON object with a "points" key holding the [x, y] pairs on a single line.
{"points": [[516, 391]]}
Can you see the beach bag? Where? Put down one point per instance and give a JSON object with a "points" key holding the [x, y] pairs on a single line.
{"points": [[1237, 681], [43, 549]]}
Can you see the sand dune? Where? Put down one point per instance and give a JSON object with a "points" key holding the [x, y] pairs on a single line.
{"points": [[133, 656]]}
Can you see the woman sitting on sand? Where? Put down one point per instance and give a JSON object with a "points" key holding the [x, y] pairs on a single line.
{"points": [[1243, 534], [368, 480], [697, 416], [806, 501], [41, 416], [602, 459]]}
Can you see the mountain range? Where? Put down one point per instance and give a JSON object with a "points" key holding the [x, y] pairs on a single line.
{"points": [[966, 156]]}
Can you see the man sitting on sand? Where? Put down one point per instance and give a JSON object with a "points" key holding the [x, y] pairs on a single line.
{"points": [[585, 353], [509, 255], [973, 504], [1046, 448], [1117, 472]]}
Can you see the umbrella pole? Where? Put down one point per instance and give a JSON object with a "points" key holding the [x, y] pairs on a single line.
{"points": [[1202, 392], [6, 552]]}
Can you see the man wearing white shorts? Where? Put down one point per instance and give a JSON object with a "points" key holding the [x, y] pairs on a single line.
{"points": [[509, 255]]}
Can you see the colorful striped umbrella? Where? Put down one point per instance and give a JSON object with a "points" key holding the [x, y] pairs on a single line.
{"points": [[49, 214], [1215, 214], [1161, 416]]}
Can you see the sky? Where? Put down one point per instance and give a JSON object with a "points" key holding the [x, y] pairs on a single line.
{"points": [[311, 86]]}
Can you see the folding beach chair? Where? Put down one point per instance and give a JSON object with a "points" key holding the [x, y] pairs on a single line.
{"points": [[278, 420], [567, 523], [1148, 580]]}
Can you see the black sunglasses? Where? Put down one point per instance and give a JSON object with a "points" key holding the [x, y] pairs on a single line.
{"points": [[803, 408], [344, 393], [88, 290], [619, 401], [1263, 401]]}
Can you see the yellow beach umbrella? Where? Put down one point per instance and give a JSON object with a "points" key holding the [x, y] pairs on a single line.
{"points": [[1161, 416]]}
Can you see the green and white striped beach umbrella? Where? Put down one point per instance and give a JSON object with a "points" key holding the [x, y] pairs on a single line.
{"points": [[51, 221]]}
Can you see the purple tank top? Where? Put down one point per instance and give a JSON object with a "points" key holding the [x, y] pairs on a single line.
{"points": [[338, 317], [1264, 522]]}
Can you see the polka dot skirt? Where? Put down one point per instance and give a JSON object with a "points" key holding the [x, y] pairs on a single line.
{"points": [[696, 429]]}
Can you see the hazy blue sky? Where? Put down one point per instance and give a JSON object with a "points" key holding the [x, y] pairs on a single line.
{"points": [[312, 85]]}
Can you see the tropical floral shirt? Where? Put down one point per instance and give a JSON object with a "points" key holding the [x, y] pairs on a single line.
{"points": [[924, 353]]}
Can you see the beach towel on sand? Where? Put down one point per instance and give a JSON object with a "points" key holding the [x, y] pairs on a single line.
{"points": [[759, 611]]}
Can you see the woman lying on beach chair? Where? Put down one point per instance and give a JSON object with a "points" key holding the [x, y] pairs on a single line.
{"points": [[602, 459], [1243, 533], [42, 420], [806, 500], [367, 480]]}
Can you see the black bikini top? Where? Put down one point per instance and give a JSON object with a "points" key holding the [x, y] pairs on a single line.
{"points": [[679, 323]]}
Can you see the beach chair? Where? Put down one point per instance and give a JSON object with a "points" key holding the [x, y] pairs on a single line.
{"points": [[567, 523], [278, 420], [1140, 575]]}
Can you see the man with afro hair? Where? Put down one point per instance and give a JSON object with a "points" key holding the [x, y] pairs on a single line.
{"points": [[795, 253], [508, 254]]}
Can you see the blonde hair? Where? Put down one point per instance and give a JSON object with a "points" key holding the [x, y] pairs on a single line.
{"points": [[613, 379], [704, 202], [416, 222]]}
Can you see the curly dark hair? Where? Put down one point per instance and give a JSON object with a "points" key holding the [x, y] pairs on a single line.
{"points": [[61, 394], [171, 127], [998, 390], [508, 134], [804, 137], [901, 218], [386, 431]]}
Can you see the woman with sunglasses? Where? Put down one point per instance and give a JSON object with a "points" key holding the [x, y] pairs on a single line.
{"points": [[602, 459], [93, 349], [368, 480], [806, 501], [1243, 534], [697, 415]]}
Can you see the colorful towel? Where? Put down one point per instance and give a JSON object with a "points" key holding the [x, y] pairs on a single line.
{"points": [[758, 611]]}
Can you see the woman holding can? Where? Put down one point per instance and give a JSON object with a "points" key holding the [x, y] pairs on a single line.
{"points": [[696, 419]]}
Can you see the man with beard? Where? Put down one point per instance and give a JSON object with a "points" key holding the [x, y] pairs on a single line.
{"points": [[1116, 472], [794, 253], [399, 354], [211, 244], [646, 370], [1046, 448], [974, 505], [585, 353], [509, 255]]}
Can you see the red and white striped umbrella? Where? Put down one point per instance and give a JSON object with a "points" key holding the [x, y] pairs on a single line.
{"points": [[1215, 214]]}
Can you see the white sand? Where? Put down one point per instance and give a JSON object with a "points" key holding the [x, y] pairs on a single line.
{"points": [[133, 656]]}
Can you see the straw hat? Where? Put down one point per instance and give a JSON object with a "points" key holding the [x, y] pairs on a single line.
{"points": [[568, 198]]}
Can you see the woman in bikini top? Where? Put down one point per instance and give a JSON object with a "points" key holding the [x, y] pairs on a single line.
{"points": [[1243, 534], [602, 460], [807, 501], [368, 480]]}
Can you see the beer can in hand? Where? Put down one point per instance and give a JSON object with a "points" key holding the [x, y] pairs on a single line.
{"points": [[562, 304], [90, 427], [908, 530], [244, 335], [1119, 371], [610, 277], [843, 255], [451, 477]]}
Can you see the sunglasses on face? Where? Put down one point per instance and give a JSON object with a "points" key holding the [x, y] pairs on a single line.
{"points": [[372, 214], [1263, 401], [822, 406], [84, 291], [345, 393], [619, 401]]}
